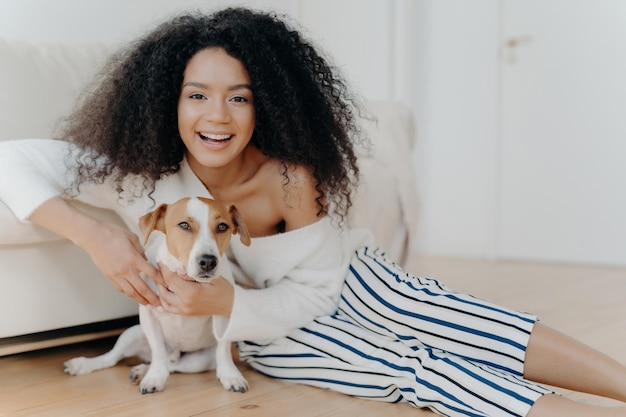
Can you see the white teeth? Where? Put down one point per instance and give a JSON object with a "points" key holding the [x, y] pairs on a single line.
{"points": [[214, 136]]}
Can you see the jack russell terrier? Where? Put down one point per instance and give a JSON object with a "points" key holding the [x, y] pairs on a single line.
{"points": [[197, 232]]}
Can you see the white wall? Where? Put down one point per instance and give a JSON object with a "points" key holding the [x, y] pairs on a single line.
{"points": [[108, 21], [454, 96], [563, 147]]}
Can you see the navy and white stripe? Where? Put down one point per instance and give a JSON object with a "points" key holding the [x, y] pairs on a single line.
{"points": [[397, 337]]}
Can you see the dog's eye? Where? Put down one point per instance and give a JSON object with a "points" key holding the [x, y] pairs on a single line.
{"points": [[222, 227], [185, 226]]}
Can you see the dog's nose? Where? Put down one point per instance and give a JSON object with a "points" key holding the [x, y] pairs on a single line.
{"points": [[208, 262]]}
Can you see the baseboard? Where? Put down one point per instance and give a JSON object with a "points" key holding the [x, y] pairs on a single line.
{"points": [[65, 336]]}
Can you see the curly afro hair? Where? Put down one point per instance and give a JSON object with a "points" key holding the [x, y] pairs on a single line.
{"points": [[126, 124]]}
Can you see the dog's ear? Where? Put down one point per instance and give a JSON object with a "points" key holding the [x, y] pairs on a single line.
{"points": [[152, 221], [240, 226]]}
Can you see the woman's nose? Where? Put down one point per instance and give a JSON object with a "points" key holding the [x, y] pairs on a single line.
{"points": [[217, 111]]}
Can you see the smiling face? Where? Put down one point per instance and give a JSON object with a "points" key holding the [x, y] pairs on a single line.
{"points": [[215, 109]]}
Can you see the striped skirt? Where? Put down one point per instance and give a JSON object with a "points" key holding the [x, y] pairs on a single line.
{"points": [[397, 337]]}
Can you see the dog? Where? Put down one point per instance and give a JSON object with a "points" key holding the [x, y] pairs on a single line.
{"points": [[195, 235]]}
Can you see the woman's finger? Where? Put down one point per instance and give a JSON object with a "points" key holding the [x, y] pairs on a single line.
{"points": [[126, 288], [137, 288], [169, 300], [152, 272]]}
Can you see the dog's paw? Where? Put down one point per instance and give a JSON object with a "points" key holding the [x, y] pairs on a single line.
{"points": [[137, 373], [154, 381], [233, 381], [77, 366]]}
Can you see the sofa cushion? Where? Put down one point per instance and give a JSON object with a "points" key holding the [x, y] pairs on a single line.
{"points": [[387, 199], [39, 84]]}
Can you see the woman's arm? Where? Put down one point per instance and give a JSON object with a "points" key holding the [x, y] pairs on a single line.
{"points": [[115, 251]]}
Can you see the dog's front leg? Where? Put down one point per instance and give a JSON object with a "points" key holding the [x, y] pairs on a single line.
{"points": [[227, 372], [157, 374]]}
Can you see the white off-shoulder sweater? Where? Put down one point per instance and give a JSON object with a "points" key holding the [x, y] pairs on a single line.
{"points": [[286, 279]]}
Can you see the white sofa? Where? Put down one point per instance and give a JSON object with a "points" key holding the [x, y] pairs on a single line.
{"points": [[49, 284]]}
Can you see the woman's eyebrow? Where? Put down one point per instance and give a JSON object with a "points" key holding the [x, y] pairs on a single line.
{"points": [[195, 84], [206, 86], [240, 86]]}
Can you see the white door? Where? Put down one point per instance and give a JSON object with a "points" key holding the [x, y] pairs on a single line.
{"points": [[562, 190]]}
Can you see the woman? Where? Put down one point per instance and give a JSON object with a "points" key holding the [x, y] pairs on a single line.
{"points": [[238, 106]]}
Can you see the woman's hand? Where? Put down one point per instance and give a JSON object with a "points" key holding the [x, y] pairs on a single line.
{"points": [[181, 295], [115, 251], [118, 254]]}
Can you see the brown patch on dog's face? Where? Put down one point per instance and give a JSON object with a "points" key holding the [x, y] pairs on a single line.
{"points": [[220, 223], [181, 229]]}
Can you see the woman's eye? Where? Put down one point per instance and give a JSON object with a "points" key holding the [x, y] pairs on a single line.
{"points": [[185, 226], [239, 99], [222, 227], [197, 96]]}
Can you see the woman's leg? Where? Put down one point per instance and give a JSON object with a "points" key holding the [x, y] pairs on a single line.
{"points": [[552, 405], [556, 359], [549, 357], [404, 305]]}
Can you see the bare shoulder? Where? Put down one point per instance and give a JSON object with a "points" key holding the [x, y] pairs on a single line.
{"points": [[296, 194]]}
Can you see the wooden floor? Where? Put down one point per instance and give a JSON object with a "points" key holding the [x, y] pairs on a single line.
{"points": [[585, 302]]}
